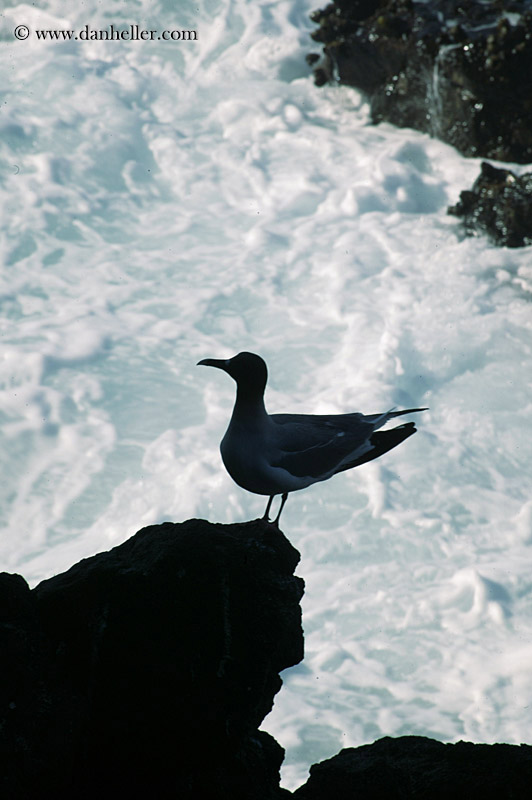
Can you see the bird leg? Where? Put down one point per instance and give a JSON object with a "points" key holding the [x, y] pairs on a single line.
{"points": [[266, 518], [284, 498]]}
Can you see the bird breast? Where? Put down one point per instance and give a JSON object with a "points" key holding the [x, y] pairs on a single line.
{"points": [[245, 456]]}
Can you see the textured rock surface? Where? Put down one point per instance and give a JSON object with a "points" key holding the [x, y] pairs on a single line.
{"points": [[416, 768], [148, 669], [461, 71], [499, 205]]}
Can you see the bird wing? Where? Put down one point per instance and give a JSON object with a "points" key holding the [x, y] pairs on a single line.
{"points": [[315, 446], [380, 442]]}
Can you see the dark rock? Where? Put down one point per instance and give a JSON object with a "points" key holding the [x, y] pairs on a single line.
{"points": [[24, 700], [148, 669], [457, 70], [417, 768], [500, 205]]}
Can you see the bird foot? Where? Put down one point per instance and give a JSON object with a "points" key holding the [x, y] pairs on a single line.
{"points": [[267, 519]]}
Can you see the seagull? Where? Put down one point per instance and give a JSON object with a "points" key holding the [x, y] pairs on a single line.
{"points": [[273, 454]]}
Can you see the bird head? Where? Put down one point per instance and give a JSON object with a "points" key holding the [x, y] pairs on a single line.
{"points": [[247, 369]]}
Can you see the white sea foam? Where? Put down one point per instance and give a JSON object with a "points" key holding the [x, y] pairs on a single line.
{"points": [[163, 202]]}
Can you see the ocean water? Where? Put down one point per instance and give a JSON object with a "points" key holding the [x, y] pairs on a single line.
{"points": [[167, 200]]}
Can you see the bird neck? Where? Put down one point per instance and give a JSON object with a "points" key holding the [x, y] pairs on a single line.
{"points": [[249, 403]]}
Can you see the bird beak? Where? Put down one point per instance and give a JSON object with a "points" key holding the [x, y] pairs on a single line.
{"points": [[221, 363]]}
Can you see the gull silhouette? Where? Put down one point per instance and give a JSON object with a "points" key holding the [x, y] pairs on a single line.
{"points": [[273, 454]]}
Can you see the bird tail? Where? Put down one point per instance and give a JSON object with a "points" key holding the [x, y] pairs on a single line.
{"points": [[382, 441], [379, 420], [394, 413]]}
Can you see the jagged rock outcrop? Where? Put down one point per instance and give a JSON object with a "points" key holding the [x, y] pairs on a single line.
{"points": [[147, 670], [499, 205], [417, 768], [461, 71]]}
